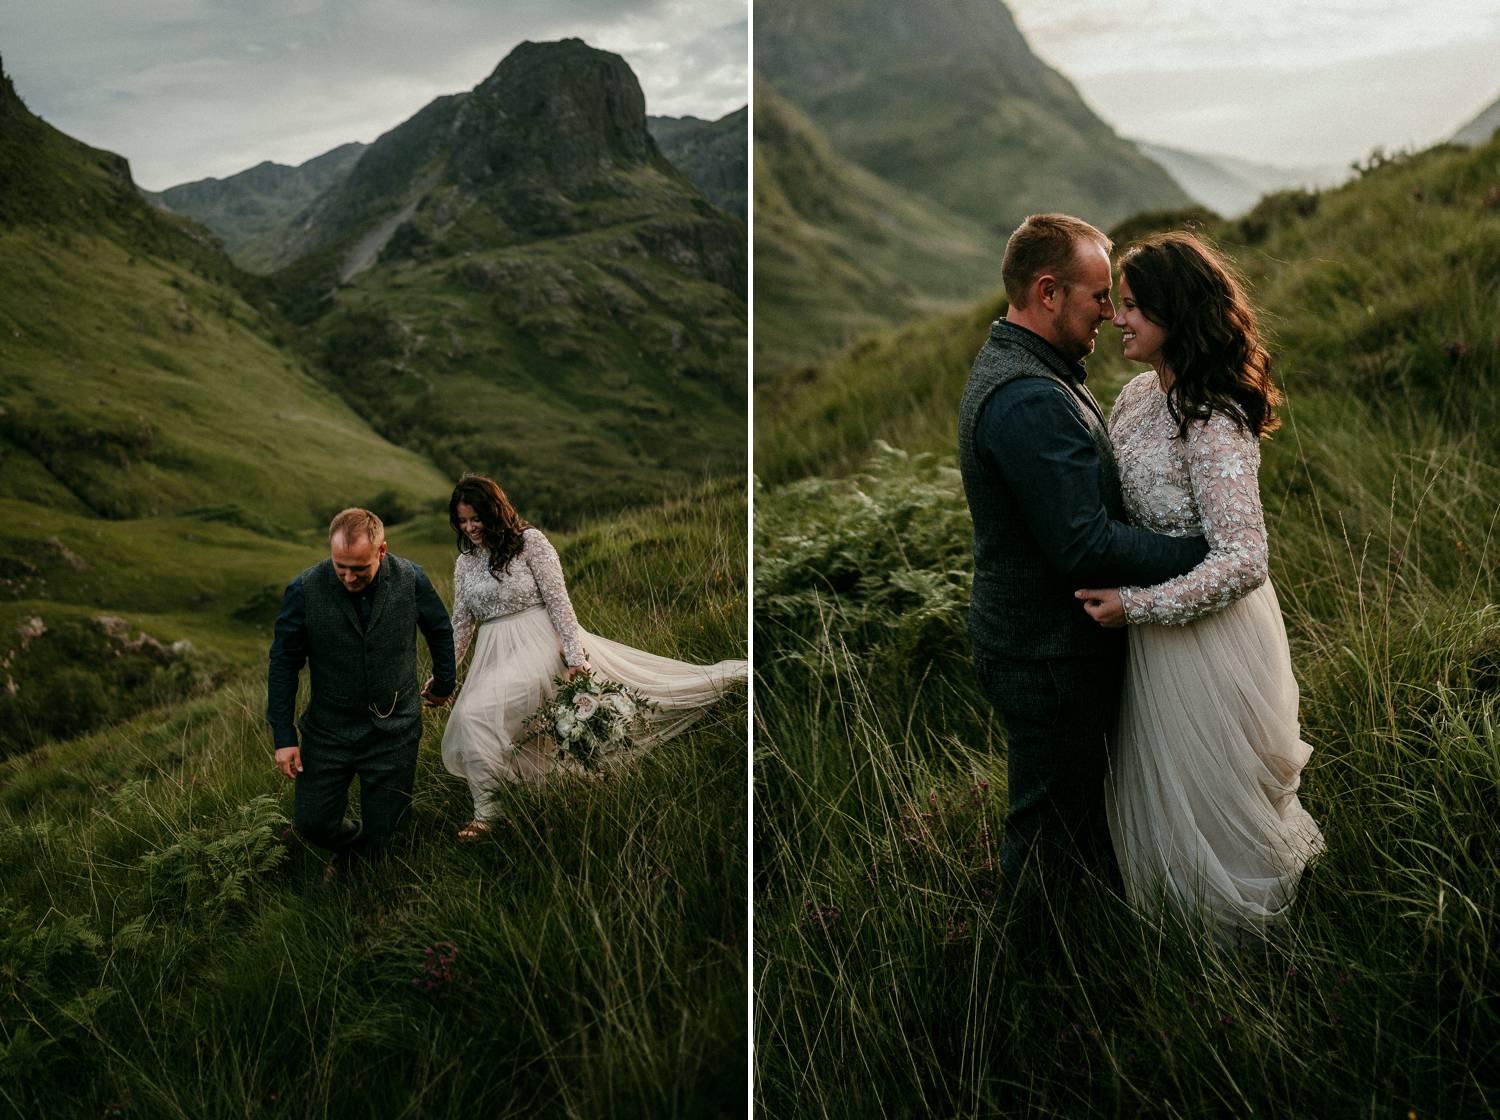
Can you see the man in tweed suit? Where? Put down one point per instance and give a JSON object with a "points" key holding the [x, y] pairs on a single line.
{"points": [[1044, 493], [353, 619]]}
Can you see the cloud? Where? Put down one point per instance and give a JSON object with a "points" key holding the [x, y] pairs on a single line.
{"points": [[1282, 81], [192, 88]]}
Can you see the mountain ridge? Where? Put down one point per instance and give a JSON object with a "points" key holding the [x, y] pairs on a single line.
{"points": [[946, 98], [712, 154], [841, 253]]}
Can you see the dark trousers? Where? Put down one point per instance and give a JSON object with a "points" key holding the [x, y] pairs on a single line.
{"points": [[386, 766], [1058, 716]]}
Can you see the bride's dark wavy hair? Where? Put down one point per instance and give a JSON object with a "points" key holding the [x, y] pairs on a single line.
{"points": [[503, 526], [1213, 345]]}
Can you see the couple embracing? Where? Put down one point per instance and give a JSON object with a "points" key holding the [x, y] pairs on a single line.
{"points": [[353, 619], [1122, 621]]}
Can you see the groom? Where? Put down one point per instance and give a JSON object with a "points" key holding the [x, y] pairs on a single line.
{"points": [[1044, 492], [353, 619]]}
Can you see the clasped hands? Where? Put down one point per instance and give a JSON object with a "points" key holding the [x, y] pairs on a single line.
{"points": [[1104, 606]]}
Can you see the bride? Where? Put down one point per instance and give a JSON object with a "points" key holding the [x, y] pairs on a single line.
{"points": [[1202, 798], [511, 603]]}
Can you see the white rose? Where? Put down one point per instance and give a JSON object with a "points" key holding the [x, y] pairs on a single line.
{"points": [[585, 704], [566, 725], [621, 703]]}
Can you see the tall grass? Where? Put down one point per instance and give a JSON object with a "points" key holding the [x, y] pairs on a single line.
{"points": [[892, 977], [165, 956]]}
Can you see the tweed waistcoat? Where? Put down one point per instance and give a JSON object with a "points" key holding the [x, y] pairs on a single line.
{"points": [[1021, 605], [363, 678]]}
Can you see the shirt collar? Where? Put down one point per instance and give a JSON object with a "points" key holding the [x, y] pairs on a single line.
{"points": [[1025, 336]]}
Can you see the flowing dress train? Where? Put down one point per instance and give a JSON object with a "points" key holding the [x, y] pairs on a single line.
{"points": [[524, 632]]}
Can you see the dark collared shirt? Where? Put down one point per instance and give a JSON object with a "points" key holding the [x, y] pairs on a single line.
{"points": [[289, 649]]}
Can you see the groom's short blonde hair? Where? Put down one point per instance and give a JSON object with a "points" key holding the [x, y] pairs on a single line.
{"points": [[354, 523], [1045, 243]]}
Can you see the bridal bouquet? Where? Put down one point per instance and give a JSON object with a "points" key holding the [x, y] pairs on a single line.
{"points": [[588, 718]]}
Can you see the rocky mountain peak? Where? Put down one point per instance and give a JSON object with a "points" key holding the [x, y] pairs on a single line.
{"points": [[563, 111]]}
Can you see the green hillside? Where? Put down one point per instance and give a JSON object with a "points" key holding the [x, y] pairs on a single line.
{"points": [[168, 457], [139, 379], [945, 98], [839, 253], [891, 976], [167, 956]]}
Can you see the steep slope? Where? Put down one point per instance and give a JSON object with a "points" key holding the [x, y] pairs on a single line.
{"points": [[167, 457], [712, 154], [840, 253], [944, 97], [515, 280], [140, 379], [253, 212]]}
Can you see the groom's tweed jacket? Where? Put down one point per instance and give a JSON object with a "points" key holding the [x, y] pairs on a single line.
{"points": [[362, 677], [1044, 493]]}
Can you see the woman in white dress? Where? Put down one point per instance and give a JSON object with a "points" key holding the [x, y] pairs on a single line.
{"points": [[511, 604], [1202, 796]]}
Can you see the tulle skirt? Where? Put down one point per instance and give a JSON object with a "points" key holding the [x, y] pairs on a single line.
{"points": [[1202, 801], [511, 671]]}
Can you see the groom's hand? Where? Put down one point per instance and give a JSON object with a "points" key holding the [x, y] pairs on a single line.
{"points": [[289, 761], [1104, 606], [431, 701]]}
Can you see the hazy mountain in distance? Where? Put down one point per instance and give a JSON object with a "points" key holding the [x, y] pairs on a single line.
{"points": [[711, 153], [839, 252], [252, 211], [516, 280], [945, 97], [1231, 186], [1481, 128]]}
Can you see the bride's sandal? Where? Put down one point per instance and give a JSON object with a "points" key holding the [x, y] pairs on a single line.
{"points": [[474, 830]]}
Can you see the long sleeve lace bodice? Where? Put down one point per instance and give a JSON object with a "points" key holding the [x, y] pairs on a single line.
{"points": [[1208, 484], [533, 579]]}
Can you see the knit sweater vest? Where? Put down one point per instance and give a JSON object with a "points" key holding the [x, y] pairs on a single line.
{"points": [[1021, 606], [363, 678]]}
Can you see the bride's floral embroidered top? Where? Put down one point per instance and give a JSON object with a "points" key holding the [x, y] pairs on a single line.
{"points": [[532, 579], [1206, 483]]}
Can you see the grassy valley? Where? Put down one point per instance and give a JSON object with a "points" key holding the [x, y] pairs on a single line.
{"points": [[891, 977]]}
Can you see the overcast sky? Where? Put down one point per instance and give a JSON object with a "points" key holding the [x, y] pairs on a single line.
{"points": [[187, 89], [1293, 82]]}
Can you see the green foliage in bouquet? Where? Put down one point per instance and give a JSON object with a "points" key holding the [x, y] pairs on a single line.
{"points": [[589, 718]]}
